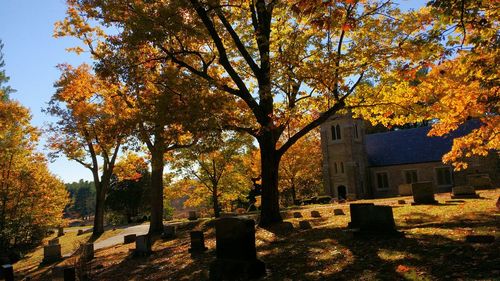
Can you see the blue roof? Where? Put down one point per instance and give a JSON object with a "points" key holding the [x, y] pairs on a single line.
{"points": [[411, 145]]}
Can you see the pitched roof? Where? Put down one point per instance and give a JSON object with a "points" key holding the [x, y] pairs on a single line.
{"points": [[411, 145]]}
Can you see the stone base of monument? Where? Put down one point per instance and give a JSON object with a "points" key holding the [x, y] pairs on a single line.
{"points": [[466, 196], [434, 202], [236, 270]]}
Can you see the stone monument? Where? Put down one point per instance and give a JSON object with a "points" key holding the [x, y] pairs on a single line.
{"points": [[197, 243], [51, 253], [464, 192], [423, 193], [236, 252]]}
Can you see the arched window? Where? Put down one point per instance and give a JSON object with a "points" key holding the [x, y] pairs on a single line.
{"points": [[342, 167], [337, 129], [356, 134], [335, 167]]}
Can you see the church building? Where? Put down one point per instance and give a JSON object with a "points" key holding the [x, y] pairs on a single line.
{"points": [[357, 165]]}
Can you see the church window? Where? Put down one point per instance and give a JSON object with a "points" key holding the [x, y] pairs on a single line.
{"points": [[411, 176], [443, 176], [342, 167], [336, 132], [356, 133], [382, 180], [335, 167]]}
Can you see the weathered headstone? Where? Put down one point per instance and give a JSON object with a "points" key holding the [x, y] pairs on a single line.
{"points": [[305, 225], [69, 273], [371, 219], [142, 245], [404, 189], [54, 241], [197, 243], [51, 253], [463, 192], [60, 231], [357, 211], [338, 212], [423, 193], [401, 202], [127, 239], [168, 232], [297, 215], [192, 216], [88, 251], [80, 232], [7, 272], [236, 252], [315, 214]]}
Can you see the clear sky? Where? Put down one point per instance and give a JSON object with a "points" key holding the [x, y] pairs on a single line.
{"points": [[31, 55]]}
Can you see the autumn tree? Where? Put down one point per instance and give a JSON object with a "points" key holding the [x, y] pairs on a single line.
{"points": [[32, 200], [300, 169], [92, 126], [83, 198], [272, 56], [460, 84], [214, 167], [129, 193]]}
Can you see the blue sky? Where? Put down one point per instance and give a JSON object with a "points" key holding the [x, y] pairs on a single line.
{"points": [[31, 55]]}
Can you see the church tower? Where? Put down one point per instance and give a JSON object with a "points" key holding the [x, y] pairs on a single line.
{"points": [[344, 158]]}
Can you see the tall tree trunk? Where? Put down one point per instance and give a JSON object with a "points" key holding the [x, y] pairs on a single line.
{"points": [[294, 194], [99, 210], [157, 166], [270, 209], [215, 200]]}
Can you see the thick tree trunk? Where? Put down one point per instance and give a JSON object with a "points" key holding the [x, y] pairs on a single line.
{"points": [[270, 209], [215, 200], [99, 211], [157, 165], [294, 194]]}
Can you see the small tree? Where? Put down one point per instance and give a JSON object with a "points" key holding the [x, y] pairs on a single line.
{"points": [[91, 128], [215, 169]]}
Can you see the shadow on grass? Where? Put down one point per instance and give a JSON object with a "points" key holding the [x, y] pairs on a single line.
{"points": [[331, 253]]}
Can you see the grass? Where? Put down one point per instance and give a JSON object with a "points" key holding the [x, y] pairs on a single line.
{"points": [[433, 247], [70, 241]]}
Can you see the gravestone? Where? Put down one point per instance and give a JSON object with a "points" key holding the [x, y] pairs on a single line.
{"points": [[305, 225], [51, 253], [7, 272], [401, 202], [142, 245], [338, 212], [80, 232], [423, 193], [127, 239], [197, 243], [404, 189], [357, 211], [464, 192], [192, 216], [54, 241], [88, 251], [370, 219], [60, 231], [235, 250], [315, 214], [297, 215], [69, 273], [168, 232]]}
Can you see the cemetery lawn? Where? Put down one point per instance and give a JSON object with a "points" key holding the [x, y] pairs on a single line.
{"points": [[433, 248], [70, 241]]}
